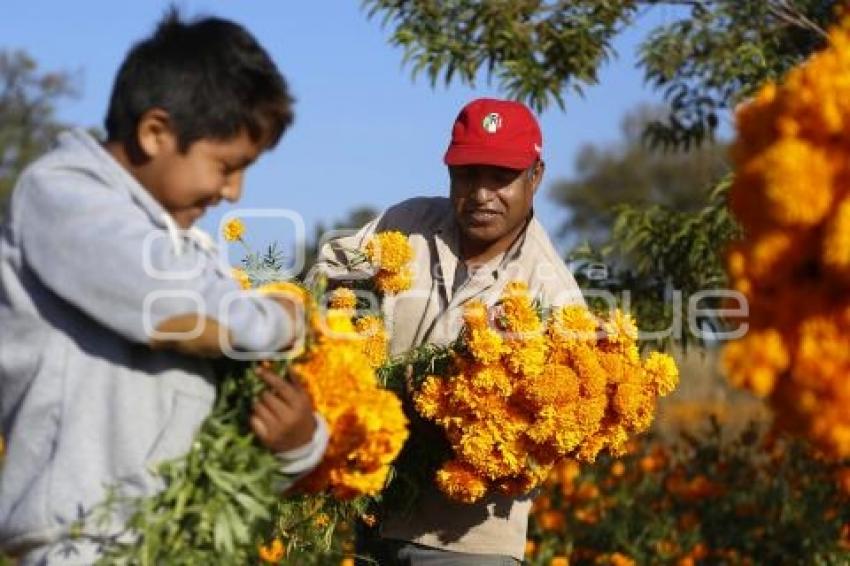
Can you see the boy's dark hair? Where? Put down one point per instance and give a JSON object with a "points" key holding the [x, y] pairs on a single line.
{"points": [[210, 75]]}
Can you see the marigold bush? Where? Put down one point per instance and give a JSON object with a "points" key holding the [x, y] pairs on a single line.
{"points": [[790, 193]]}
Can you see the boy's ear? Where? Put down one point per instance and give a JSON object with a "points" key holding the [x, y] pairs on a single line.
{"points": [[154, 133]]}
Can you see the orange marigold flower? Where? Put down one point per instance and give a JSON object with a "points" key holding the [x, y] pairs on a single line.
{"points": [[272, 553], [663, 372], [460, 482], [389, 251], [485, 345], [836, 242], [797, 179], [618, 559], [755, 360], [475, 315], [343, 298], [375, 339], [393, 282]]}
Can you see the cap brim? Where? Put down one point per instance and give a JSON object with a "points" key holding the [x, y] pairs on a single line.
{"points": [[476, 155]]}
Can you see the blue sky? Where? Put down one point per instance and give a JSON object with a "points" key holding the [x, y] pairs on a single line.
{"points": [[365, 132]]}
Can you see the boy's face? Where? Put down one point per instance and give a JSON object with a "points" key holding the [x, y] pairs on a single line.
{"points": [[186, 184]]}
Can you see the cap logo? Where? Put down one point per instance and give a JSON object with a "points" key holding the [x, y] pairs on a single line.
{"points": [[492, 122]]}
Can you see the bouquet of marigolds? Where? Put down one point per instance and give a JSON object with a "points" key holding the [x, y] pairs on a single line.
{"points": [[521, 390], [221, 503]]}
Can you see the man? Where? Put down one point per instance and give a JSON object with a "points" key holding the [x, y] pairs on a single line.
{"points": [[467, 246]]}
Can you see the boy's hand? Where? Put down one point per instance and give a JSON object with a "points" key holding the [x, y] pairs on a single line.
{"points": [[283, 415]]}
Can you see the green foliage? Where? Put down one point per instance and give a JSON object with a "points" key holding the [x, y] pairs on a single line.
{"points": [[28, 125], [749, 500], [631, 173], [427, 447], [217, 499], [537, 50], [665, 252], [717, 52]]}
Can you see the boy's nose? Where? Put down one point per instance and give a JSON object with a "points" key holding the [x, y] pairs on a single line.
{"points": [[232, 190]]}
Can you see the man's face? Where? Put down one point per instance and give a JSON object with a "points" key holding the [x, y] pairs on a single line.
{"points": [[186, 184], [492, 203]]}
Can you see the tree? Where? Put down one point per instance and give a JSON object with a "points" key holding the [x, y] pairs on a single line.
{"points": [[717, 52], [632, 173], [27, 119]]}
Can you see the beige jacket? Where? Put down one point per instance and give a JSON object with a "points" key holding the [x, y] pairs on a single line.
{"points": [[430, 312]]}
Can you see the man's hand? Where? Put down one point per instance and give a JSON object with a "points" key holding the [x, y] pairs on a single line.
{"points": [[283, 415]]}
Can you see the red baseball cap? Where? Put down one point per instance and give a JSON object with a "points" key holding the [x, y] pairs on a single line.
{"points": [[495, 132]]}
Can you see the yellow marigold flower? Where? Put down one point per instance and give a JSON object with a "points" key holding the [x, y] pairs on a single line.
{"points": [[518, 311], [527, 356], [755, 360], [393, 282], [620, 329], [485, 345], [460, 482], [663, 372], [389, 251], [572, 323], [556, 385], [286, 288], [339, 323], [774, 254], [430, 397], [559, 561], [343, 298], [552, 520], [241, 277], [475, 315], [836, 242], [375, 339], [797, 179], [736, 262], [618, 559], [822, 353], [272, 553], [233, 230], [492, 379], [347, 561]]}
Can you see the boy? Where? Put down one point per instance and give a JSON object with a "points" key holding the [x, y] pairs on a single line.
{"points": [[467, 246], [110, 301]]}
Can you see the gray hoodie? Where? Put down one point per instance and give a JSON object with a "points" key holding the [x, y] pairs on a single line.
{"points": [[89, 263]]}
